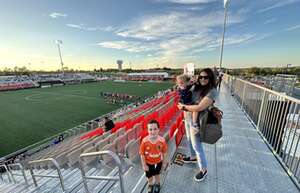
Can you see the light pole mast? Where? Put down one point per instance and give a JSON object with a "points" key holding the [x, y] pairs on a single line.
{"points": [[223, 35], [59, 42]]}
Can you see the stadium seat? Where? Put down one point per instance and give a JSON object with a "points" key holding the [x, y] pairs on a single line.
{"points": [[101, 144], [121, 142], [132, 150], [120, 132], [88, 160], [131, 134]]}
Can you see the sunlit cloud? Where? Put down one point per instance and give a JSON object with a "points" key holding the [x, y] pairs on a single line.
{"points": [[174, 34], [277, 4], [74, 26], [293, 28], [186, 1], [83, 27], [129, 46], [57, 15], [173, 24], [272, 20]]}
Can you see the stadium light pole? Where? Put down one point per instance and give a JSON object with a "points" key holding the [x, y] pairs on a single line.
{"points": [[226, 2], [59, 42]]}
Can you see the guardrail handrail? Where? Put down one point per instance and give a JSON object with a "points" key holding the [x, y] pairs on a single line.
{"points": [[270, 91], [22, 170], [276, 117], [8, 172], [55, 164], [117, 161]]}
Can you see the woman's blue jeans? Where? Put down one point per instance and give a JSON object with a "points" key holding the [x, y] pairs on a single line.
{"points": [[188, 126], [198, 147]]}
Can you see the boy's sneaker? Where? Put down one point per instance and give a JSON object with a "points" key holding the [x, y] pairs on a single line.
{"points": [[156, 188], [200, 176], [189, 160], [150, 188]]}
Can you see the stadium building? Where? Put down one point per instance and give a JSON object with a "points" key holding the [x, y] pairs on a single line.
{"points": [[146, 76]]}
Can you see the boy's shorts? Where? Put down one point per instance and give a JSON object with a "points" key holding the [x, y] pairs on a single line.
{"points": [[153, 170]]}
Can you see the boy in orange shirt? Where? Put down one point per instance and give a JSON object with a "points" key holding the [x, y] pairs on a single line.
{"points": [[153, 151]]}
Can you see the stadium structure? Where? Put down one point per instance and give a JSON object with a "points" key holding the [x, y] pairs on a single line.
{"points": [[42, 80], [88, 159], [147, 76]]}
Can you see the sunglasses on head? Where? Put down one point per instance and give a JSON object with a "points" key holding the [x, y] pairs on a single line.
{"points": [[203, 77]]}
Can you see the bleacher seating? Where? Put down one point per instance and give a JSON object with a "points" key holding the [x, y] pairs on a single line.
{"points": [[124, 140]]}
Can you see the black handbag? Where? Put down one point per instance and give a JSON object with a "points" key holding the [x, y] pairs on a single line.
{"points": [[210, 126]]}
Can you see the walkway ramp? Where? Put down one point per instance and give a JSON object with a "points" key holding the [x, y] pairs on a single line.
{"points": [[239, 163]]}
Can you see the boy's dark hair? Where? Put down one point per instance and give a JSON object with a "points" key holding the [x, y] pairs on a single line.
{"points": [[153, 121]]}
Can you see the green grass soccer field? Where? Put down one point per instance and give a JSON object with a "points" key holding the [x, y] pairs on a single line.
{"points": [[28, 116]]}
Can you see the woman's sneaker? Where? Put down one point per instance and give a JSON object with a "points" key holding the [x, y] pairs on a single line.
{"points": [[156, 188], [189, 160], [200, 176]]}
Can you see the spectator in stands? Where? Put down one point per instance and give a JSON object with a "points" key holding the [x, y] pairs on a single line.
{"points": [[108, 124], [60, 137], [204, 95], [216, 73], [220, 77], [185, 94], [153, 151]]}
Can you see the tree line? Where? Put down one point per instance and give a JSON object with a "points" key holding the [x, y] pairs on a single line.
{"points": [[249, 72]]}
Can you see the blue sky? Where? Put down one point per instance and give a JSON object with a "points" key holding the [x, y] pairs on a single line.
{"points": [[148, 33]]}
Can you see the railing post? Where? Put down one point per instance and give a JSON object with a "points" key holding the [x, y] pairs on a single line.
{"points": [[115, 158], [55, 164], [22, 170], [59, 173], [32, 175], [261, 108], [8, 172], [83, 176], [243, 98]]}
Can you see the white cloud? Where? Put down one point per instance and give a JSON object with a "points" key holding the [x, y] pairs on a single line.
{"points": [[272, 20], [56, 15], [129, 46], [173, 24], [82, 27], [277, 4], [177, 35], [74, 26], [293, 28], [186, 1], [194, 8]]}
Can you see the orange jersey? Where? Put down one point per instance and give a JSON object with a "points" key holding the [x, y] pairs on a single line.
{"points": [[153, 152]]}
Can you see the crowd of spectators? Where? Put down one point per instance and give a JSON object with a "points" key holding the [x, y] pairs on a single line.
{"points": [[119, 98]]}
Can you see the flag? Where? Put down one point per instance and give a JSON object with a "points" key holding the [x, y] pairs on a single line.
{"points": [[225, 3]]}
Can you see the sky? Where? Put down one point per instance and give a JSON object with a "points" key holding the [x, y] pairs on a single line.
{"points": [[148, 33]]}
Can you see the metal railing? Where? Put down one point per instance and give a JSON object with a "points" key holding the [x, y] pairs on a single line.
{"points": [[276, 116], [108, 178], [7, 172], [10, 166], [56, 166]]}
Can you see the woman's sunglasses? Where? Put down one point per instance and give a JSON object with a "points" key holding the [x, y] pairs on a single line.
{"points": [[203, 77]]}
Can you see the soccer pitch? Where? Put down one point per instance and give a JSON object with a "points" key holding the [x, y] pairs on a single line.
{"points": [[28, 116]]}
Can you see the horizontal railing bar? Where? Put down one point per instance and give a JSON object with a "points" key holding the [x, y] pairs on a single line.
{"points": [[50, 176], [271, 91], [103, 178]]}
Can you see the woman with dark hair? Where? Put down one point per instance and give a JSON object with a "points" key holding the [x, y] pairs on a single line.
{"points": [[204, 95]]}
